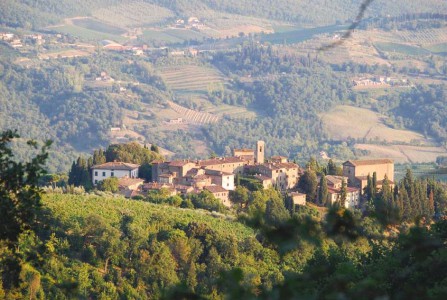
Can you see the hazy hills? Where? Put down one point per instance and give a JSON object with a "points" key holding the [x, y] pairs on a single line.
{"points": [[36, 14]]}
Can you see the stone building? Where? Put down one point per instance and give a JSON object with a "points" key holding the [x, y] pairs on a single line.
{"points": [[283, 175], [357, 171]]}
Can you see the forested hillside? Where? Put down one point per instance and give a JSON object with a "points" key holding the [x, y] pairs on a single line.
{"points": [[37, 14]]}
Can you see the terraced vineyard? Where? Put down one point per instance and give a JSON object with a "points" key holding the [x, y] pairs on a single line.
{"points": [[191, 78], [194, 116], [424, 37]]}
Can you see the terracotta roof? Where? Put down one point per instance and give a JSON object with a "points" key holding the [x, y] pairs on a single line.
{"points": [[156, 185], [337, 191], [220, 161], [200, 177], [126, 181], [367, 162], [336, 179], [262, 177], [116, 166], [215, 189], [179, 163], [277, 166]]}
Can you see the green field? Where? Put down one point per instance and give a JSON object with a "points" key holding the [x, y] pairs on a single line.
{"points": [[133, 14], [75, 207], [172, 36], [98, 26], [87, 34], [297, 36], [233, 111], [401, 48], [346, 121], [160, 36], [438, 48]]}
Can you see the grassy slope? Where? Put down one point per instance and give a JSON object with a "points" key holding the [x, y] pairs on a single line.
{"points": [[347, 121], [69, 207]]}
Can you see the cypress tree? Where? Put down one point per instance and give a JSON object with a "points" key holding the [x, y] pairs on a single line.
{"points": [[343, 194], [322, 191], [374, 184]]}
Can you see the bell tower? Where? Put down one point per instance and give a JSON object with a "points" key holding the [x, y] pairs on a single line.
{"points": [[260, 152]]}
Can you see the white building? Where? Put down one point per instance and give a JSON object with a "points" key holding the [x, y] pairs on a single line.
{"points": [[352, 196], [114, 169], [223, 179]]}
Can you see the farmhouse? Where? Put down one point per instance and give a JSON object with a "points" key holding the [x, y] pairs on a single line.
{"points": [[357, 171], [352, 196], [284, 176], [298, 198], [220, 193], [114, 169]]}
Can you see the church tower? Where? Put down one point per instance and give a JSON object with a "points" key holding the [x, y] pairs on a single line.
{"points": [[260, 152]]}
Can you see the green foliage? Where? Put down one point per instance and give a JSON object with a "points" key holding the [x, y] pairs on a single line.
{"points": [[80, 174], [207, 201], [131, 153], [308, 183], [322, 191], [19, 192], [109, 185]]}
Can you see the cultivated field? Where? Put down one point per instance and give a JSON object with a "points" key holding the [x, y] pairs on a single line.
{"points": [[403, 153], [347, 121], [172, 35], [86, 34], [96, 25], [401, 48], [194, 116], [422, 37], [191, 78], [133, 14], [230, 110], [63, 54]]}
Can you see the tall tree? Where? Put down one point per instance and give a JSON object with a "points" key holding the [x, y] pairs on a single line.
{"points": [[343, 193], [322, 190], [20, 202], [308, 183], [19, 191]]}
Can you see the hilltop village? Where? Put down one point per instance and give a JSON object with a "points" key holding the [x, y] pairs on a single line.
{"points": [[221, 175]]}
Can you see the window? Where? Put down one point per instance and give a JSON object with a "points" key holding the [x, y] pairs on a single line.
{"points": [[96, 181], [104, 174], [96, 173], [228, 184], [112, 174]]}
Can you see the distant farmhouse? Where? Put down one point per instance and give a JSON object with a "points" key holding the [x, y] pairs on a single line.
{"points": [[114, 169], [357, 171]]}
